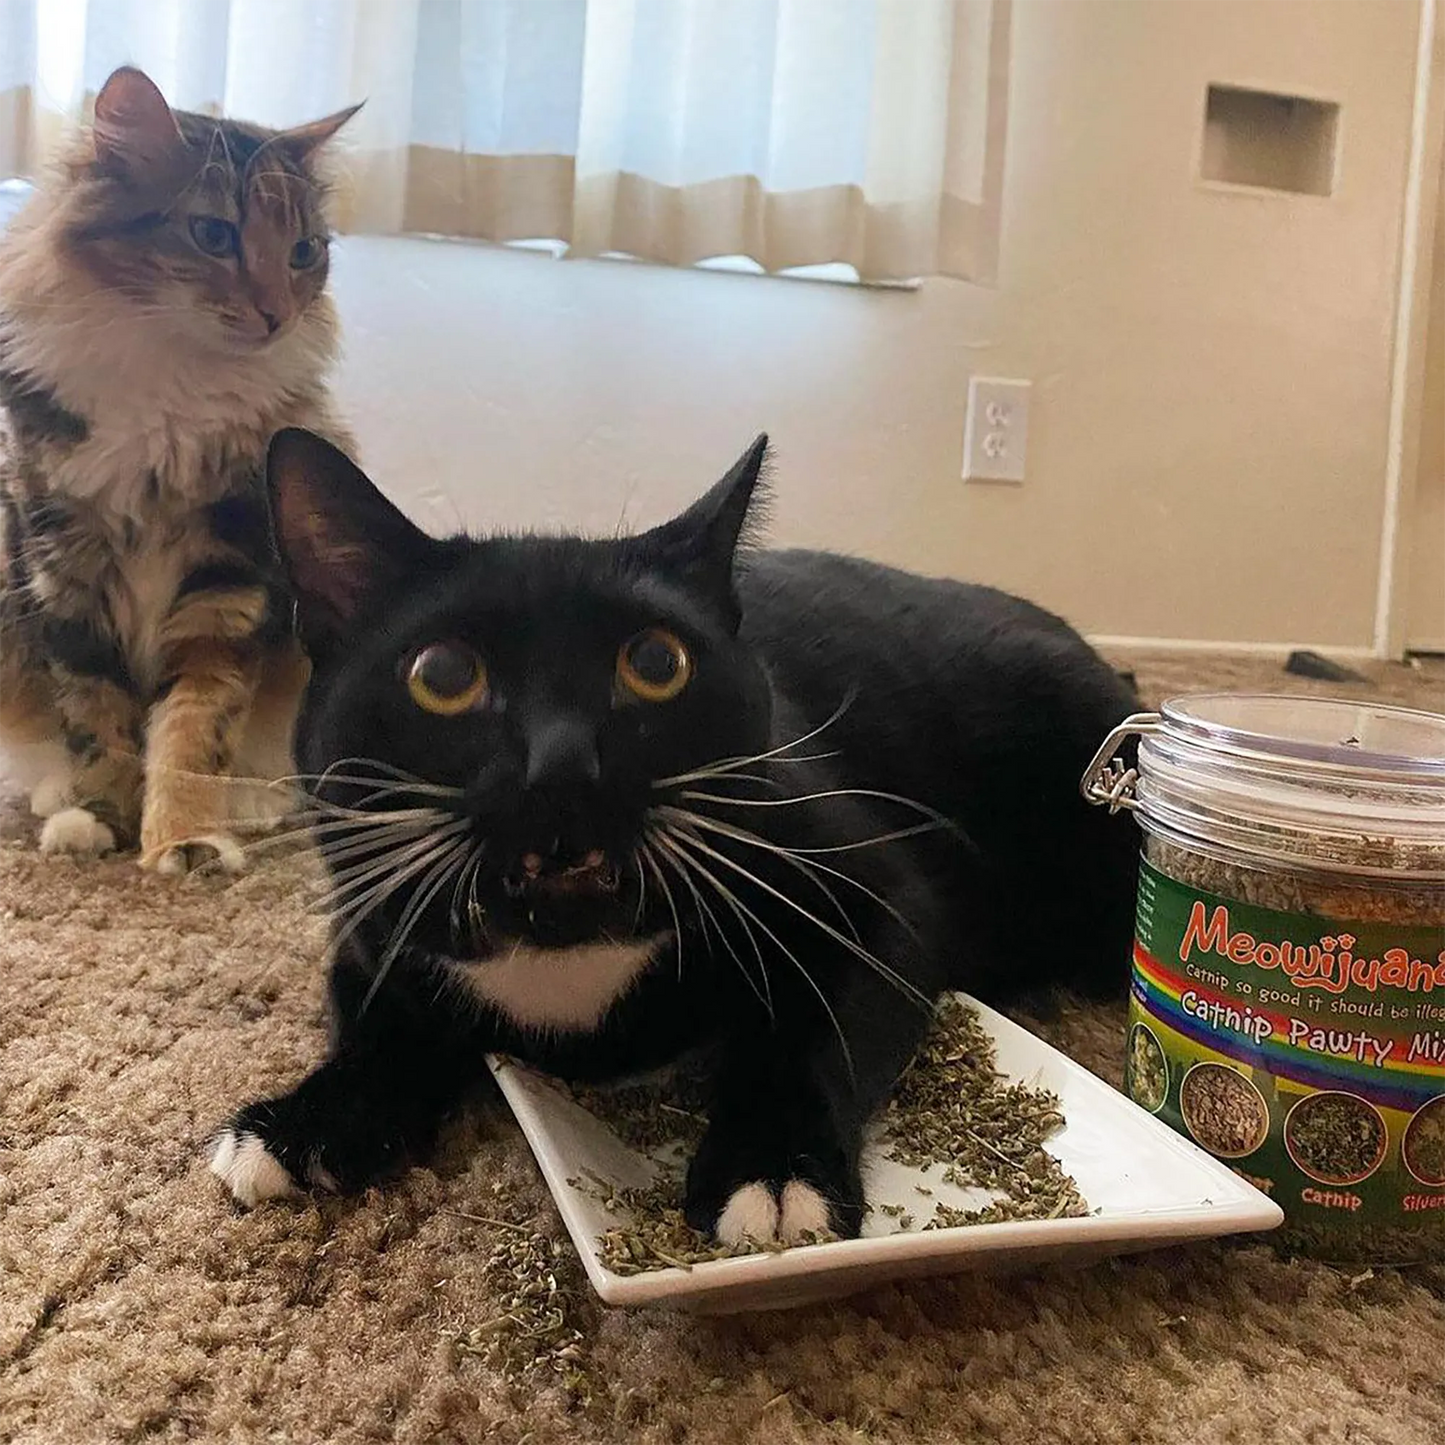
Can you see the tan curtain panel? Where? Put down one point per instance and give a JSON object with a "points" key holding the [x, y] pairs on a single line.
{"points": [[793, 132]]}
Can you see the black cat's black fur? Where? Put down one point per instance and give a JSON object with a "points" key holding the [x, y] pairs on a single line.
{"points": [[864, 791]]}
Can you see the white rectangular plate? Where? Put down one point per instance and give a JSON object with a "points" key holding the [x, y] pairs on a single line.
{"points": [[1146, 1185]]}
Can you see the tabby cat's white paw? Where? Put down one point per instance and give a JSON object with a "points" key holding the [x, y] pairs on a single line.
{"points": [[77, 831], [242, 1162], [50, 795], [217, 850]]}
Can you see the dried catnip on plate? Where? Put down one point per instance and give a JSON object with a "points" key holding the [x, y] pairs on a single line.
{"points": [[1145, 1186]]}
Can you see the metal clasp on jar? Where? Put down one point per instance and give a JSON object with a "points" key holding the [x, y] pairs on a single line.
{"points": [[1107, 780]]}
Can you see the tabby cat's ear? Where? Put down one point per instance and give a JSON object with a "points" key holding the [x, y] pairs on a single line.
{"points": [[134, 128], [301, 140], [702, 544], [340, 539]]}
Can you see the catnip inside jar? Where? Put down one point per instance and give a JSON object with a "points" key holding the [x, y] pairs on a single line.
{"points": [[1287, 1011]]}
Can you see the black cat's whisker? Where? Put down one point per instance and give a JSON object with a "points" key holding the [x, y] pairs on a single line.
{"points": [[313, 829], [939, 820], [392, 779], [476, 914], [380, 765], [380, 819], [886, 973], [431, 884], [914, 830], [685, 867], [808, 869], [337, 852], [454, 913], [728, 777], [426, 890], [352, 902], [727, 770], [744, 913], [374, 818], [379, 800], [382, 787], [679, 841], [357, 910], [730, 765], [344, 836], [808, 864], [898, 833], [385, 787], [707, 919], [314, 825], [671, 903], [641, 890], [372, 876], [359, 875], [358, 878]]}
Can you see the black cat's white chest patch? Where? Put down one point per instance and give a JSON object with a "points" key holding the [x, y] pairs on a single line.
{"points": [[546, 989]]}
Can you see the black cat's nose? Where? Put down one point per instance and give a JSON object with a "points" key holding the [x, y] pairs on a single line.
{"points": [[562, 750]]}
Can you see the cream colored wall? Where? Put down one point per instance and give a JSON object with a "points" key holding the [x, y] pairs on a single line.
{"points": [[1211, 368], [1425, 616]]}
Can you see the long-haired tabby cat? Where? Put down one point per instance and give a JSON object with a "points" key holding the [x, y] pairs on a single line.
{"points": [[598, 804], [163, 311]]}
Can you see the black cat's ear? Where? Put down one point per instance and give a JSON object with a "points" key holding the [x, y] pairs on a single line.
{"points": [[703, 543], [340, 539]]}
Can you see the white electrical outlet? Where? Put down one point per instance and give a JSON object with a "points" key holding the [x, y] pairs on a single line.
{"points": [[996, 433]]}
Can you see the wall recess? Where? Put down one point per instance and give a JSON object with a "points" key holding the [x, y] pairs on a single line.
{"points": [[1269, 141]]}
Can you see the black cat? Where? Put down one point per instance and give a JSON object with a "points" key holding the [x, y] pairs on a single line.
{"points": [[597, 804]]}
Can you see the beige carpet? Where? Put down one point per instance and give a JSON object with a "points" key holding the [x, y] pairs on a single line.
{"points": [[134, 1305]]}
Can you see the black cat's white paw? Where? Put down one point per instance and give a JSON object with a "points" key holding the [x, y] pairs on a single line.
{"points": [[243, 1163], [744, 1182], [321, 1136], [756, 1211]]}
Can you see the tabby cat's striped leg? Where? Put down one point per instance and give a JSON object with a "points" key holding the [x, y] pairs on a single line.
{"points": [[30, 727], [101, 727], [191, 742], [261, 800]]}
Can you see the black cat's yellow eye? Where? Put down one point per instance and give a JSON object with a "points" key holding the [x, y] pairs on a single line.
{"points": [[654, 666], [447, 678], [307, 252], [214, 236]]}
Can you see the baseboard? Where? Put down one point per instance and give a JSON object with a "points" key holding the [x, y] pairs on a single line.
{"points": [[1238, 649]]}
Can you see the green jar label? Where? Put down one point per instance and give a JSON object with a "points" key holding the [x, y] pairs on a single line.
{"points": [[1308, 1052]]}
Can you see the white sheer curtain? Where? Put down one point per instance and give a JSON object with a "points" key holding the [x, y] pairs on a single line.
{"points": [[796, 132]]}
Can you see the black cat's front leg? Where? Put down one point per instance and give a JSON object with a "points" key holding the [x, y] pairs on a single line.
{"points": [[774, 1163], [398, 1064], [780, 1159]]}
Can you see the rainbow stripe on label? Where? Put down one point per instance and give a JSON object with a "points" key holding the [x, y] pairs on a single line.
{"points": [[1207, 1016]]}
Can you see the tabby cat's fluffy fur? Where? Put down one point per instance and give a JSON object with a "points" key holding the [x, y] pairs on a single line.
{"points": [[597, 804], [162, 312]]}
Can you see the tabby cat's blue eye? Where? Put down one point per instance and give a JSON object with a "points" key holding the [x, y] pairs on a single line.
{"points": [[214, 236], [307, 252], [654, 666]]}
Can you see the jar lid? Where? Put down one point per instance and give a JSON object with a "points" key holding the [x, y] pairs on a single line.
{"points": [[1313, 783], [1332, 733]]}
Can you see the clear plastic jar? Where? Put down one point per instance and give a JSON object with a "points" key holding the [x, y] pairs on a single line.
{"points": [[1287, 1010]]}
